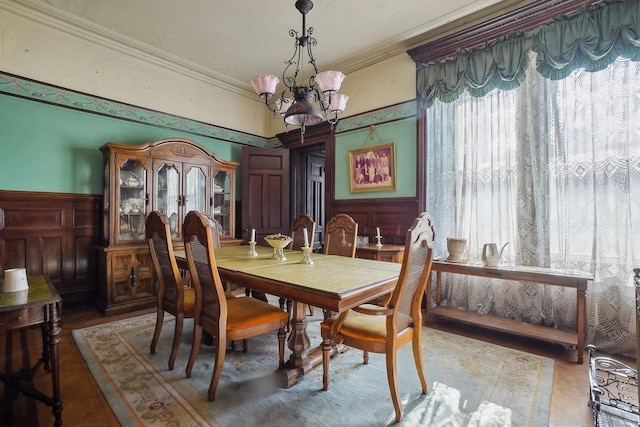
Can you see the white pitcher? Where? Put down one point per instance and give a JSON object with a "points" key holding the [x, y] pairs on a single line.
{"points": [[490, 255]]}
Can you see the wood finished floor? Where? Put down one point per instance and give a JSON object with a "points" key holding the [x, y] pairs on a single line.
{"points": [[84, 405]]}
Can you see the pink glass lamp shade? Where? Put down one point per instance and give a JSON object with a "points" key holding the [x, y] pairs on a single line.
{"points": [[338, 103], [329, 81], [265, 84]]}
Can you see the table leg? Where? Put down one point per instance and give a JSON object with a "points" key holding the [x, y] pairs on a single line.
{"points": [[53, 326], [303, 358], [428, 318], [581, 310], [438, 288], [298, 341]]}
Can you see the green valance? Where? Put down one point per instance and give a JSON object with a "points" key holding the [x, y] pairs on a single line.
{"points": [[501, 63], [592, 38]]}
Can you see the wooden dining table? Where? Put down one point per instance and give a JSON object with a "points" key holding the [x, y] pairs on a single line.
{"points": [[331, 282]]}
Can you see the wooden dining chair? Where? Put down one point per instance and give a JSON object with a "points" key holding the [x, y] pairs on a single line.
{"points": [[297, 234], [173, 297], [226, 319], [297, 227], [340, 236], [341, 233], [385, 329]]}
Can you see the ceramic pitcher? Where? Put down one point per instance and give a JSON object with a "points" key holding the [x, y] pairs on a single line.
{"points": [[490, 255]]}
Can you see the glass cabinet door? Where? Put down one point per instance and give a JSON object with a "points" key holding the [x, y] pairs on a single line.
{"points": [[106, 200], [222, 201], [195, 190], [167, 198], [132, 201]]}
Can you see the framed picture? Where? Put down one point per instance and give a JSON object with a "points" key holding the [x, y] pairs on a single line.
{"points": [[372, 168]]}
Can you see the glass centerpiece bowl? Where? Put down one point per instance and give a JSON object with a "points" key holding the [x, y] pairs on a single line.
{"points": [[278, 242]]}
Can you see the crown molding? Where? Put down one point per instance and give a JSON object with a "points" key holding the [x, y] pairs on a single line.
{"points": [[65, 22]]}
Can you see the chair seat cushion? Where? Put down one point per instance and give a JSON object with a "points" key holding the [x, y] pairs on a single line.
{"points": [[247, 312], [359, 326]]}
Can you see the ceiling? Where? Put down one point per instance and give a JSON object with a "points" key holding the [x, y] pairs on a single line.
{"points": [[233, 40]]}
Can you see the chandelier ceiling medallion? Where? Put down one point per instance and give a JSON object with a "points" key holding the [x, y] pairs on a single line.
{"points": [[312, 102]]}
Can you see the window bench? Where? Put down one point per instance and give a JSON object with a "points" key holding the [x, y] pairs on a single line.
{"points": [[577, 280]]}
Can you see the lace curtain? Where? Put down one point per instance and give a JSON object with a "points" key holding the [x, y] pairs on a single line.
{"points": [[553, 167]]}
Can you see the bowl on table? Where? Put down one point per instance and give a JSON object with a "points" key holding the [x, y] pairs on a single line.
{"points": [[278, 242]]}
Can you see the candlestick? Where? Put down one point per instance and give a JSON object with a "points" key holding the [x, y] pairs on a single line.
{"points": [[253, 235], [252, 251], [379, 244], [306, 237], [306, 256]]}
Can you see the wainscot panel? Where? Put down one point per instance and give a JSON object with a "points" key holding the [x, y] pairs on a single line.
{"points": [[53, 234]]}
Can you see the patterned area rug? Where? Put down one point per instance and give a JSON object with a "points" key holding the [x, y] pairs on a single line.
{"points": [[471, 383]]}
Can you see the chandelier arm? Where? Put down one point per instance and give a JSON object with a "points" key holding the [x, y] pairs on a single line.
{"points": [[267, 102], [311, 41], [332, 121], [324, 100], [290, 81]]}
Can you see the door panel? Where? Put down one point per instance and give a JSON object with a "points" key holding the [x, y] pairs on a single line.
{"points": [[315, 195], [265, 191]]}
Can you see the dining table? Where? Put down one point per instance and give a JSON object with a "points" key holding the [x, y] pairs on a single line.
{"points": [[330, 282]]}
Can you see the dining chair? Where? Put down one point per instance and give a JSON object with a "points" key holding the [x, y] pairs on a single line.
{"points": [[297, 234], [385, 329], [226, 319], [173, 297], [340, 236], [341, 233]]}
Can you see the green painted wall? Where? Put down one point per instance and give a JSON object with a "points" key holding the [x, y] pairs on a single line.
{"points": [[403, 134], [49, 148], [50, 138]]}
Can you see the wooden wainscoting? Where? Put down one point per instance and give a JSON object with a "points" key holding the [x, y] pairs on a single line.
{"points": [[53, 234], [393, 216]]}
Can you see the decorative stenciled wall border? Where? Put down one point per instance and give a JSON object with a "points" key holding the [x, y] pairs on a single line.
{"points": [[383, 115], [41, 92], [36, 91]]}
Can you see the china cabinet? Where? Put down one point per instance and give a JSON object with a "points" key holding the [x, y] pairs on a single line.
{"points": [[172, 176]]}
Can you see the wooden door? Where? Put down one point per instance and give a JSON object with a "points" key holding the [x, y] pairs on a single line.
{"points": [[315, 194], [265, 192]]}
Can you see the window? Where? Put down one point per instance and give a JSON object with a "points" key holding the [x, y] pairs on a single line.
{"points": [[553, 167]]}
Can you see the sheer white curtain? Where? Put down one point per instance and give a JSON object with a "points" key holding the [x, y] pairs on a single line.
{"points": [[552, 167]]}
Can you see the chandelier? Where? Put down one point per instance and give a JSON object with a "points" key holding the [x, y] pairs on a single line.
{"points": [[313, 101]]}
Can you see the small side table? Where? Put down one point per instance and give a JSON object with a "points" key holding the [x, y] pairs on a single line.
{"points": [[41, 306], [390, 253], [614, 384]]}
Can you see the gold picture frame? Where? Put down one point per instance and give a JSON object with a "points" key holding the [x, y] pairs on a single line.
{"points": [[372, 168]]}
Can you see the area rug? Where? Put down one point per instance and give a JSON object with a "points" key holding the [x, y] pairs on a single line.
{"points": [[471, 383]]}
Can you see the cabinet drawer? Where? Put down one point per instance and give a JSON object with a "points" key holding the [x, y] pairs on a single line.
{"points": [[22, 318]]}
